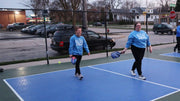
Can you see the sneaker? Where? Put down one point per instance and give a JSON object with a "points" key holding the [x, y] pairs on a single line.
{"points": [[142, 77], [80, 77], [76, 75], [133, 73]]}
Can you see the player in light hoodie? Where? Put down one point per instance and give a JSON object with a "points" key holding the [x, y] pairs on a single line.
{"points": [[77, 43], [138, 40]]}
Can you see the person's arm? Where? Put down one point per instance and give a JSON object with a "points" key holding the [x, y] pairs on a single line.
{"points": [[128, 44], [149, 45], [85, 46], [178, 30], [71, 44], [150, 49]]}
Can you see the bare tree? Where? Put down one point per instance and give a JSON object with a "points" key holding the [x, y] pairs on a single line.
{"points": [[114, 4], [164, 5], [75, 5], [45, 4], [68, 5], [33, 4]]}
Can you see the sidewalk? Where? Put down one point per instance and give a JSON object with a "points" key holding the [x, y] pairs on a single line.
{"points": [[63, 60]]}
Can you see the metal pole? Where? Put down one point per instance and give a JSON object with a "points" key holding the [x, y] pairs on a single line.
{"points": [[147, 26], [14, 17], [173, 33], [146, 23], [47, 57], [105, 25], [84, 23]]}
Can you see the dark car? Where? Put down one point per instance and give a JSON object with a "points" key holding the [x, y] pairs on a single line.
{"points": [[97, 24], [163, 28], [60, 40], [41, 30], [1, 26], [34, 29], [52, 29], [26, 30], [16, 26], [56, 27]]}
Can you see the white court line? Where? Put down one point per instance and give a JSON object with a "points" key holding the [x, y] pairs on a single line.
{"points": [[65, 69], [165, 95], [162, 60], [169, 55], [134, 78], [20, 98]]}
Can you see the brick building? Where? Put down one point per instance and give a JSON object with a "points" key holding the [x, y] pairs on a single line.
{"points": [[9, 17]]}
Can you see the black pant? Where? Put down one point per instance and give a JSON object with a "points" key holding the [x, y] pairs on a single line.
{"points": [[78, 57], [138, 54], [178, 44]]}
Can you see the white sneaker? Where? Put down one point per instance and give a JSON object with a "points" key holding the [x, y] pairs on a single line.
{"points": [[133, 73], [80, 77], [142, 77], [76, 75]]}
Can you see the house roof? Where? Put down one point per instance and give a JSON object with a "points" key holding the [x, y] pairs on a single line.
{"points": [[139, 10], [120, 11]]}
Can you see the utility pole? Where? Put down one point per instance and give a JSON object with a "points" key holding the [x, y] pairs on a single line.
{"points": [[84, 21]]}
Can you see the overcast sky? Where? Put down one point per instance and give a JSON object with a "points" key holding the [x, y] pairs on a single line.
{"points": [[17, 3]]}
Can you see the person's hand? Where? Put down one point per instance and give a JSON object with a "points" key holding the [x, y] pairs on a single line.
{"points": [[88, 54], [150, 49], [123, 51], [70, 56]]}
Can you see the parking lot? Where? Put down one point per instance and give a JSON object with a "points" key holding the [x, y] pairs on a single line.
{"points": [[20, 46]]}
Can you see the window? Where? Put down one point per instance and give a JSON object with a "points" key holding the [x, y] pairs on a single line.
{"points": [[151, 17], [133, 11], [159, 26], [137, 17], [92, 34]]}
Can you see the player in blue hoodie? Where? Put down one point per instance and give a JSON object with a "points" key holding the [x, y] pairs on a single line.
{"points": [[77, 43], [138, 40], [178, 39]]}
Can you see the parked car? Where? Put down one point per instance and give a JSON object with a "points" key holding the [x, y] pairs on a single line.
{"points": [[40, 31], [1, 26], [35, 28], [51, 30], [16, 26], [97, 24], [163, 28], [60, 40], [26, 30]]}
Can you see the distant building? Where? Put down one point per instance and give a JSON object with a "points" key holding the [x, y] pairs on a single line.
{"points": [[137, 14], [10, 16], [141, 14]]}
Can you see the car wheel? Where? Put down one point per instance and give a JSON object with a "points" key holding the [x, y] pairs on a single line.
{"points": [[169, 32], [155, 32], [10, 29]]}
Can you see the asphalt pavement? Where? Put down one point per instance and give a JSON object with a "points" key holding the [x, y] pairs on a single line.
{"points": [[33, 47]]}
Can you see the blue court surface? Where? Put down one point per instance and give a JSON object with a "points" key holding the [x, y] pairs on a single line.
{"points": [[103, 82], [174, 54]]}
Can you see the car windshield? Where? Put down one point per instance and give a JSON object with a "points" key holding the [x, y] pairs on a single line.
{"points": [[170, 26], [92, 34]]}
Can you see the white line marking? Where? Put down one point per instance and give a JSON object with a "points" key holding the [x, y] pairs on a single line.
{"points": [[164, 54], [162, 60], [165, 95], [66, 69], [13, 90], [134, 78]]}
